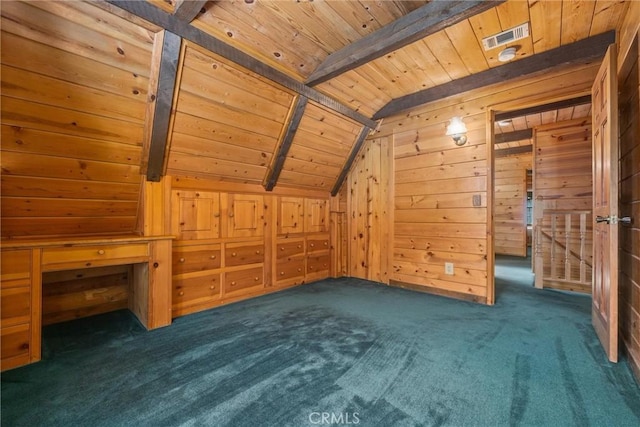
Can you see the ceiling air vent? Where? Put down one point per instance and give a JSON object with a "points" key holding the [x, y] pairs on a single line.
{"points": [[516, 33]]}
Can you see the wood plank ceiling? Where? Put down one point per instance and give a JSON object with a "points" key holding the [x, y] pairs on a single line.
{"points": [[297, 39], [242, 109]]}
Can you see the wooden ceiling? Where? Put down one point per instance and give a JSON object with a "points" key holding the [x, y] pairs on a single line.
{"points": [[296, 37], [86, 111]]}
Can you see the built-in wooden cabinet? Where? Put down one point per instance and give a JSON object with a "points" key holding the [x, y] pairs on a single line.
{"points": [[263, 243]]}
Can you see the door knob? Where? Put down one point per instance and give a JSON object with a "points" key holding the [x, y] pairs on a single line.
{"points": [[626, 220]]}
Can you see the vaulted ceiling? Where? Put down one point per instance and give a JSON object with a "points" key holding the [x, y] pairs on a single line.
{"points": [[353, 61], [96, 95]]}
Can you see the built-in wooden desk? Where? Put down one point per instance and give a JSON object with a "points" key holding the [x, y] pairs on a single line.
{"points": [[24, 262]]}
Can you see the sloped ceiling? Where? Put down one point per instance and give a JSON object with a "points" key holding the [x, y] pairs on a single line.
{"points": [[81, 82], [290, 43]]}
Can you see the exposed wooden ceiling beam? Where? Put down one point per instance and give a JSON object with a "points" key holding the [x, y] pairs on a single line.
{"points": [[426, 20], [187, 10], [583, 51], [582, 100], [285, 145], [172, 23], [166, 80], [513, 150], [517, 135], [352, 156]]}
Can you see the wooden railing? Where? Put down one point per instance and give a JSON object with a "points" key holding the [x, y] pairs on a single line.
{"points": [[563, 249]]}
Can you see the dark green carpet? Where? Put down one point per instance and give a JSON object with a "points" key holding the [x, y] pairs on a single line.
{"points": [[363, 353]]}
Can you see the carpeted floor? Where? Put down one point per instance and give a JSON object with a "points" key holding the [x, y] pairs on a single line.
{"points": [[341, 352]]}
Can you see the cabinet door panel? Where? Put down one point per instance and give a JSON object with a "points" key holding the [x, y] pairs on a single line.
{"points": [[316, 216], [291, 215], [195, 215], [245, 215]]}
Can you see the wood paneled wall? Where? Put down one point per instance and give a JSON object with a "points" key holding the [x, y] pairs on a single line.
{"points": [[563, 182], [435, 181], [369, 207], [629, 286], [74, 90], [510, 204]]}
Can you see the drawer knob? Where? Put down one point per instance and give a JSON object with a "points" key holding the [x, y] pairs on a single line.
{"points": [[299, 246], [299, 269], [311, 267], [180, 293], [233, 283], [181, 259], [282, 248], [212, 287], [233, 254], [282, 273], [212, 257], [258, 252], [311, 244], [326, 243], [101, 252], [256, 278]]}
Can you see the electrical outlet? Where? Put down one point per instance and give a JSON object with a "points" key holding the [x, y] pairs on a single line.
{"points": [[448, 268]]}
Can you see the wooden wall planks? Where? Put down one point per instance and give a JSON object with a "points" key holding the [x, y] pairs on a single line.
{"points": [[434, 182], [629, 106], [369, 209], [74, 83], [510, 197]]}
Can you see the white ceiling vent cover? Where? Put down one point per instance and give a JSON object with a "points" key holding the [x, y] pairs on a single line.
{"points": [[516, 33]]}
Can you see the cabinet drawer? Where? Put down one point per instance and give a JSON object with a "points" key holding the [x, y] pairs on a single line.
{"points": [[317, 263], [191, 290], [15, 265], [196, 258], [243, 279], [243, 254], [315, 245], [290, 268], [15, 306], [286, 249], [15, 342], [95, 255]]}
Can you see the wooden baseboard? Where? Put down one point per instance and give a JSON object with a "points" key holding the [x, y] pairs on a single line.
{"points": [[439, 292]]}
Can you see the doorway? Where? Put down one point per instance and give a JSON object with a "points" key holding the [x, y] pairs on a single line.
{"points": [[542, 195]]}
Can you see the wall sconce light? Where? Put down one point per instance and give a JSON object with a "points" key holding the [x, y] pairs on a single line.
{"points": [[457, 130]]}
